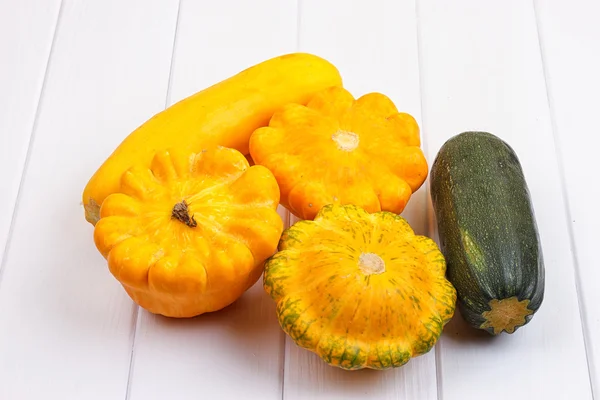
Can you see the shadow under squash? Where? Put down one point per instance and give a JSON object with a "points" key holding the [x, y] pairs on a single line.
{"points": [[457, 330], [243, 337]]}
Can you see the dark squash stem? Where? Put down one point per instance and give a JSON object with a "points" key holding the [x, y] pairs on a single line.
{"points": [[182, 213]]}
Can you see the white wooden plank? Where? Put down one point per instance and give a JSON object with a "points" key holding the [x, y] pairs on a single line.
{"points": [[482, 70], [243, 343], [569, 36], [26, 33], [65, 323], [374, 45]]}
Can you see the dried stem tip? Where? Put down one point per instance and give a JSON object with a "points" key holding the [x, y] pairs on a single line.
{"points": [[181, 212]]}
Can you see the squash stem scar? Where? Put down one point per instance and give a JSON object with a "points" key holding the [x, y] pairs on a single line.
{"points": [[371, 263], [506, 315], [92, 211], [345, 140], [181, 212]]}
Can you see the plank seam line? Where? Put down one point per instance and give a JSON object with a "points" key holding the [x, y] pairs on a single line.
{"points": [[137, 314], [137, 318], [173, 53], [288, 214], [428, 212], [32, 135], [567, 206], [283, 345]]}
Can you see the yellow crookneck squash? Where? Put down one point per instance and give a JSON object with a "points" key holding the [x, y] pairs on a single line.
{"points": [[190, 234], [359, 289], [224, 114], [338, 150]]}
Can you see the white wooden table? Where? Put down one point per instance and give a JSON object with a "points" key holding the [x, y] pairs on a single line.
{"points": [[77, 76]]}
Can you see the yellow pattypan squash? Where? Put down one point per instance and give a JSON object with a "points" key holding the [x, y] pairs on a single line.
{"points": [[360, 289], [190, 234], [338, 150]]}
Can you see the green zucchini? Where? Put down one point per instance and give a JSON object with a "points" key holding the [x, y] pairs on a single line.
{"points": [[487, 231]]}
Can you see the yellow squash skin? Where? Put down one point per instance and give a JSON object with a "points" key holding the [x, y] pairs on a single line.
{"points": [[184, 259], [338, 150], [224, 114], [360, 289]]}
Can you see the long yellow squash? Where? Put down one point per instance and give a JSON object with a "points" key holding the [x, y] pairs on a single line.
{"points": [[224, 114]]}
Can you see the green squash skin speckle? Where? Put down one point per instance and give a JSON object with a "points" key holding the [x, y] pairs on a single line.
{"points": [[486, 224]]}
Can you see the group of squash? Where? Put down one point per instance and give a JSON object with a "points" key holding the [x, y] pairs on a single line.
{"points": [[185, 213]]}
